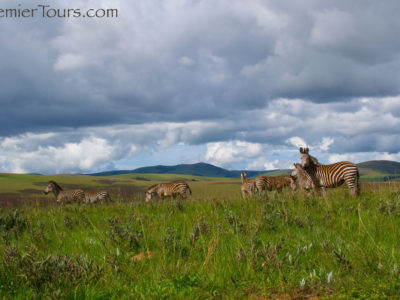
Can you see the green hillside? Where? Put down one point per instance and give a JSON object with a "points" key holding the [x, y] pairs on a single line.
{"points": [[379, 170], [381, 166]]}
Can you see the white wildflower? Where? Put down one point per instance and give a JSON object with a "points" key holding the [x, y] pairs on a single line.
{"points": [[329, 277], [302, 283]]}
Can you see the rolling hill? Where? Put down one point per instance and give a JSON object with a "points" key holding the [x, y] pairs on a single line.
{"points": [[198, 169], [379, 170], [375, 170]]}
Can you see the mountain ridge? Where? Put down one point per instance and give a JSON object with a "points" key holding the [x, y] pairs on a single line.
{"points": [[196, 169]]}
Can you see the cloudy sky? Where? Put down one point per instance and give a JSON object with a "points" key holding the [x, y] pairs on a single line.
{"points": [[239, 84]]}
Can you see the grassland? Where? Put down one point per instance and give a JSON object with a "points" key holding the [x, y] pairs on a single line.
{"points": [[213, 245]]}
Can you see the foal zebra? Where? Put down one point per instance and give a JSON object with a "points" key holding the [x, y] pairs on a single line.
{"points": [[330, 176], [169, 189], [94, 197], [64, 196], [270, 183], [304, 180], [248, 186]]}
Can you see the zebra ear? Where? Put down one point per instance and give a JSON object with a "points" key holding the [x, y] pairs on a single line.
{"points": [[306, 150], [301, 150]]}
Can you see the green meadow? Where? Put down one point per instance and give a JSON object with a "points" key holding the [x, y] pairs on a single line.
{"points": [[212, 245]]}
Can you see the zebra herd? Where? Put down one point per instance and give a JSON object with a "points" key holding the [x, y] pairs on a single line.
{"points": [[307, 175], [78, 195]]}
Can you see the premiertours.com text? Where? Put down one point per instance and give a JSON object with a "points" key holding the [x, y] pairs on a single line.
{"points": [[47, 11]]}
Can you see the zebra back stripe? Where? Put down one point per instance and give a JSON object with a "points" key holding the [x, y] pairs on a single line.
{"points": [[272, 183], [71, 196], [334, 175], [169, 189], [93, 197]]}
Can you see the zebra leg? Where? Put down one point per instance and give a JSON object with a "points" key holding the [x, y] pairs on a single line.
{"points": [[355, 191], [317, 191], [358, 185], [353, 186], [243, 194]]}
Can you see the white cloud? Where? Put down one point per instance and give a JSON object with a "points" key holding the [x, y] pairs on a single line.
{"points": [[297, 142], [69, 62], [225, 153], [69, 157], [358, 157], [326, 142]]}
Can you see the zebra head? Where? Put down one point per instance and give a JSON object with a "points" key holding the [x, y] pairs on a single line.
{"points": [[52, 186], [150, 192], [296, 170], [49, 188], [243, 177], [149, 195], [305, 158]]}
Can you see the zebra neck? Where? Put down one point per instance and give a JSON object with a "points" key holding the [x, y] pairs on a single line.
{"points": [[56, 191], [312, 169], [312, 173], [303, 176]]}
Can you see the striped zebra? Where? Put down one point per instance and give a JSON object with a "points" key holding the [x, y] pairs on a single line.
{"points": [[248, 186], [95, 197], [64, 196], [277, 183], [330, 176], [169, 189], [304, 180]]}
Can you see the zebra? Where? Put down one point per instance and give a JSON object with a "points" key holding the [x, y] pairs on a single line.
{"points": [[64, 196], [94, 197], [304, 180], [169, 189], [330, 176], [248, 186], [277, 183]]}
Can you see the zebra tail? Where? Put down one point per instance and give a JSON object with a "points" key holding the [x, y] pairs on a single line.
{"points": [[358, 183], [189, 189]]}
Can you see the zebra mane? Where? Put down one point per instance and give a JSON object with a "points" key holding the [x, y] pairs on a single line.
{"points": [[56, 185], [300, 168], [151, 187], [314, 160]]}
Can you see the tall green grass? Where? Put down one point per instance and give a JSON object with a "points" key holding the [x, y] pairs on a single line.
{"points": [[213, 245]]}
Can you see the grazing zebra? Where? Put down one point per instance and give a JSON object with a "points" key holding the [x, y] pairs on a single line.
{"points": [[64, 196], [304, 180], [330, 176], [248, 186], [270, 183], [94, 197], [169, 189]]}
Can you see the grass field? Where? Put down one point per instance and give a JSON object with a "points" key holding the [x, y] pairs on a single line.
{"points": [[213, 245]]}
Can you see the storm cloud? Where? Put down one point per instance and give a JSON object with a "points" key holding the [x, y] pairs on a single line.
{"points": [[246, 80]]}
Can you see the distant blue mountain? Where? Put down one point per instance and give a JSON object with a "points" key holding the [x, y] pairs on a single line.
{"points": [[198, 169]]}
